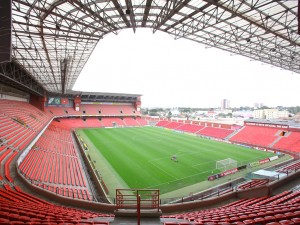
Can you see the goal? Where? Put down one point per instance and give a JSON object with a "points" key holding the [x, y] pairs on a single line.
{"points": [[226, 164]]}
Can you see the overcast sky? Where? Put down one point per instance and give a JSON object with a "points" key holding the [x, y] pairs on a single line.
{"points": [[182, 73]]}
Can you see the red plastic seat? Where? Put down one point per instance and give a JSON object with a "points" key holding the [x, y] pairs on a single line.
{"points": [[286, 222], [269, 219], [296, 220], [249, 222], [3, 220]]}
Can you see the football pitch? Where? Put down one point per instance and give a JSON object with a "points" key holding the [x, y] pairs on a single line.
{"points": [[140, 157]]}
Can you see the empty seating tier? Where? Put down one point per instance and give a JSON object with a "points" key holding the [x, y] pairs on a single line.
{"points": [[264, 210], [94, 110], [254, 135], [215, 132], [18, 207], [253, 183], [58, 169], [191, 128], [290, 142], [209, 131]]}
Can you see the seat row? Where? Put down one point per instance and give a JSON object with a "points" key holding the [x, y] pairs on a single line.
{"points": [[17, 207], [53, 168], [253, 183], [59, 168], [216, 132], [292, 167], [262, 210]]}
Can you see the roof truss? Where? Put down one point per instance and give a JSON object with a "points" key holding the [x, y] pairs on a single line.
{"points": [[49, 32]]}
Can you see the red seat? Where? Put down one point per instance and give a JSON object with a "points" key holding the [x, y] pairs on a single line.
{"points": [[249, 222], [286, 222], [296, 220], [3, 220]]}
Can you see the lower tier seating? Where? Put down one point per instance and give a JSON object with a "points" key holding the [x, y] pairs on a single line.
{"points": [[215, 132], [253, 183], [58, 168], [254, 135], [279, 209], [18, 207], [291, 141]]}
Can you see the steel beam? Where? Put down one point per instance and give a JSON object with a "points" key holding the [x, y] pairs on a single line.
{"points": [[15, 75]]}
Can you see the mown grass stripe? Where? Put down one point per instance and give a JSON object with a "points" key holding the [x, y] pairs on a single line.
{"points": [[142, 156]]}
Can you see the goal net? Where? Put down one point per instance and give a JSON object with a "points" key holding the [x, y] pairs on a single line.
{"points": [[226, 164]]}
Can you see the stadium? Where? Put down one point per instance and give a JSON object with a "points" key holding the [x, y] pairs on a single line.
{"points": [[69, 157]]}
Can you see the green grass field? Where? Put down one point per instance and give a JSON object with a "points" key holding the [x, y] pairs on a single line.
{"points": [[141, 157]]}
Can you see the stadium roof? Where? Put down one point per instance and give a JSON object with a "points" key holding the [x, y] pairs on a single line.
{"points": [[53, 39], [101, 96]]}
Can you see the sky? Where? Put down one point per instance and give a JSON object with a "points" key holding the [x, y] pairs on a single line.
{"points": [[183, 73]]}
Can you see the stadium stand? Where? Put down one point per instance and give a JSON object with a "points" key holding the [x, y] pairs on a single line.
{"points": [[254, 135], [253, 183], [141, 121], [63, 111], [289, 168], [173, 125], [18, 207], [128, 121], [191, 128], [162, 123], [215, 132], [112, 121], [7, 166], [208, 129], [44, 45], [282, 209], [291, 142], [73, 122], [20, 123], [93, 122], [109, 109], [58, 169]]}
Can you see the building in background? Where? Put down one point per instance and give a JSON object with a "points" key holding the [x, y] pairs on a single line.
{"points": [[225, 104], [258, 105], [270, 114]]}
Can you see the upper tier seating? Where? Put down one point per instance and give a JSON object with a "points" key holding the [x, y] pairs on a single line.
{"points": [[264, 210], [18, 207], [215, 132], [58, 169], [291, 142], [253, 135], [95, 110], [20, 122]]}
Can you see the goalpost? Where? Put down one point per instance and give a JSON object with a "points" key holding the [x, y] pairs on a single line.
{"points": [[226, 164]]}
